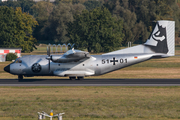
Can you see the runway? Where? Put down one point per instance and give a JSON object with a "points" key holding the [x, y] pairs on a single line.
{"points": [[90, 82]]}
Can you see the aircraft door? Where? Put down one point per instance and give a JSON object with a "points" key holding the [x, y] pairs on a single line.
{"points": [[97, 66]]}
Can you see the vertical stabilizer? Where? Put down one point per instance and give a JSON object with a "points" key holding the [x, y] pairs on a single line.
{"points": [[162, 39]]}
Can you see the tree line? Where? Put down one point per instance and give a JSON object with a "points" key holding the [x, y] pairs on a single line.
{"points": [[98, 25]]}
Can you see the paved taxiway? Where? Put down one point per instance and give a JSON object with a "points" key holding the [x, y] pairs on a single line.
{"points": [[90, 82]]}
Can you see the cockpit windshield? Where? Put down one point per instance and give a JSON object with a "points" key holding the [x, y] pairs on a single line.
{"points": [[18, 60]]}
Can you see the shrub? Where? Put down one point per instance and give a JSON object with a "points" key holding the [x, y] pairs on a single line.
{"points": [[11, 56]]}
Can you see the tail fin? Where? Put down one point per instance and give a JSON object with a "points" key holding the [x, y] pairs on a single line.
{"points": [[162, 39]]}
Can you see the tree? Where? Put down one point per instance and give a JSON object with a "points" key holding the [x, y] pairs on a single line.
{"points": [[42, 11], [92, 4], [138, 16], [11, 56], [16, 29], [24, 4], [55, 28], [96, 30], [70, 1], [10, 4], [134, 31]]}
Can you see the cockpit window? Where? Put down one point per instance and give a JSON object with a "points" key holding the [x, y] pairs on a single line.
{"points": [[18, 60]]}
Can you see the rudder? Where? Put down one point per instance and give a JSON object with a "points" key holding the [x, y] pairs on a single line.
{"points": [[162, 39]]}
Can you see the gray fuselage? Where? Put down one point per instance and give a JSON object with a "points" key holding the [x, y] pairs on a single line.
{"points": [[95, 65]]}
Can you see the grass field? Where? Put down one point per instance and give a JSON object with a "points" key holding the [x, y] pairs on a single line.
{"points": [[91, 103]]}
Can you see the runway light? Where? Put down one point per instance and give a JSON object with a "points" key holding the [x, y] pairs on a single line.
{"points": [[51, 113], [40, 115]]}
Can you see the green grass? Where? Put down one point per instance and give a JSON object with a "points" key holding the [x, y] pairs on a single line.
{"points": [[91, 103]]}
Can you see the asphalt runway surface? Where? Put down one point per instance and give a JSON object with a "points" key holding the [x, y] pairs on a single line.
{"points": [[90, 82]]}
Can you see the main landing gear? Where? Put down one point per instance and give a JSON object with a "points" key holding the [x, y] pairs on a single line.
{"points": [[78, 78]]}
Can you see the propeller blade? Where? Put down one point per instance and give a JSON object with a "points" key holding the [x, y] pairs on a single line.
{"points": [[49, 57], [72, 46], [48, 50], [49, 66], [38, 61]]}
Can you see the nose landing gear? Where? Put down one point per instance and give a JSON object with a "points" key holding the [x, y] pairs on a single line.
{"points": [[20, 77]]}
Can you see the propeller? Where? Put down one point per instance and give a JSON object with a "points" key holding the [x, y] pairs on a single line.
{"points": [[72, 46], [49, 57]]}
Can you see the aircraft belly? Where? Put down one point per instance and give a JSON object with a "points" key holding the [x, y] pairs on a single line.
{"points": [[73, 73]]}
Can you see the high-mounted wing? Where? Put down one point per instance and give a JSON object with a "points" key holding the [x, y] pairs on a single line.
{"points": [[70, 56]]}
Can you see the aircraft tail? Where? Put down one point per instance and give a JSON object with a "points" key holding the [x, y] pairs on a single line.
{"points": [[162, 38], [161, 41]]}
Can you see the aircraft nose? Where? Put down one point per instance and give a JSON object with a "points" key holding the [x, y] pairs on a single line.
{"points": [[7, 68]]}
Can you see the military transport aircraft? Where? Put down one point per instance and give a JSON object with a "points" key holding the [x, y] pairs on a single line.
{"points": [[79, 64]]}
